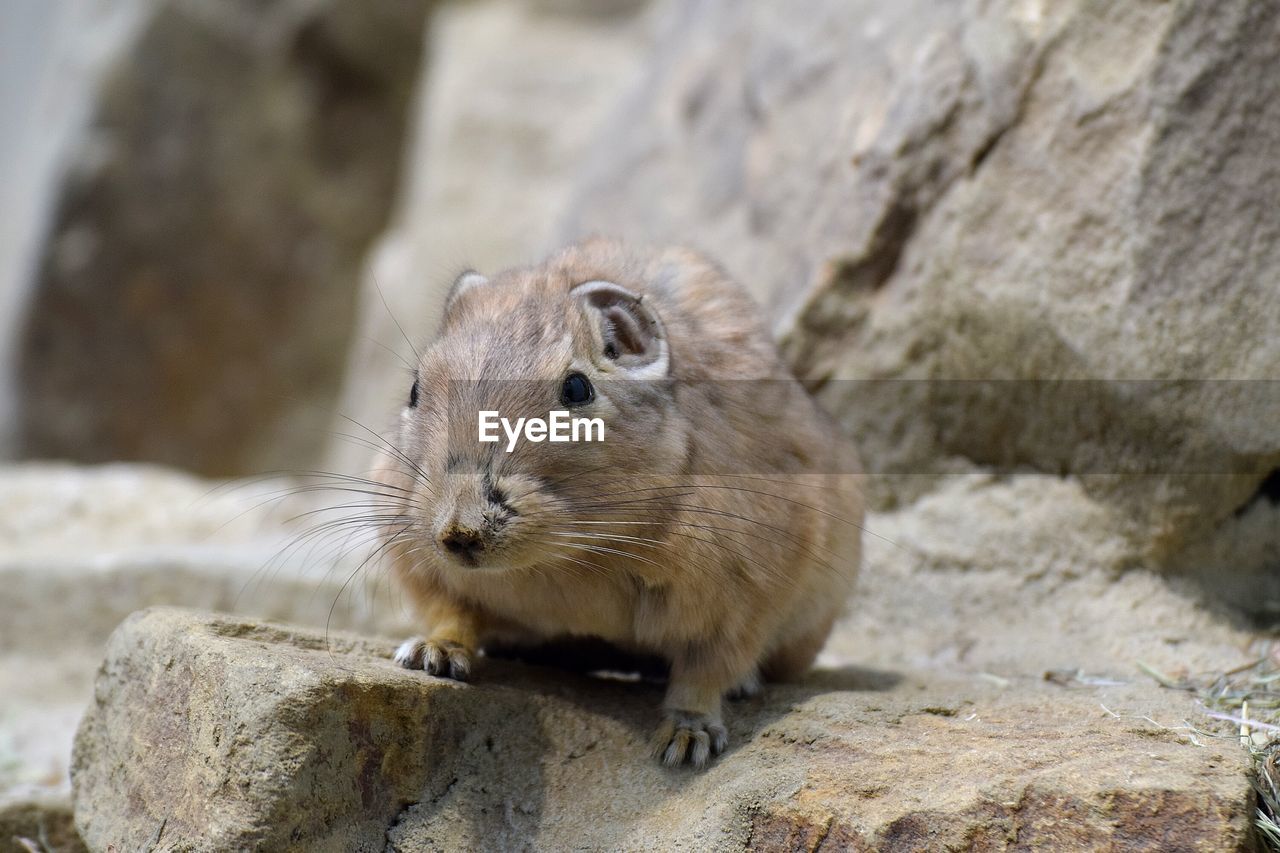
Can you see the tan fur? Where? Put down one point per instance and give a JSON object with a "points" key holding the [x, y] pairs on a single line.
{"points": [[730, 509]]}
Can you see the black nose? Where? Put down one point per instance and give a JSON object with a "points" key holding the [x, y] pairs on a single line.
{"points": [[462, 542]]}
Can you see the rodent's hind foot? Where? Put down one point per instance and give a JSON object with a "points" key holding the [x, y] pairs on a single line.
{"points": [[443, 658], [688, 736], [748, 688]]}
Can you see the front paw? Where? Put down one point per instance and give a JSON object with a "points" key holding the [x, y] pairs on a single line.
{"points": [[443, 658], [688, 736]]}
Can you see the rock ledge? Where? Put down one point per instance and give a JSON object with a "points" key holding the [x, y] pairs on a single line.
{"points": [[213, 733]]}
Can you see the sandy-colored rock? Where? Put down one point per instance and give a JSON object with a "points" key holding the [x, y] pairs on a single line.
{"points": [[213, 733], [82, 548], [989, 575], [922, 192], [194, 295], [515, 92], [85, 547]]}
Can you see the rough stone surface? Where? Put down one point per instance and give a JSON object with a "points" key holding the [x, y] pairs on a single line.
{"points": [[194, 294], [85, 547], [980, 575], [928, 191], [212, 733], [81, 549], [515, 93]]}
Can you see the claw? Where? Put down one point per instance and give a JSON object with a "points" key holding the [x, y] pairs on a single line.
{"points": [[435, 657], [691, 737], [409, 654]]}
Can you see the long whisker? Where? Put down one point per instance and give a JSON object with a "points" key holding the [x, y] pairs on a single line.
{"points": [[659, 493], [701, 510], [774, 571], [600, 549], [377, 553]]}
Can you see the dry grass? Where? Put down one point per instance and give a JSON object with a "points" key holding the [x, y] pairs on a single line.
{"points": [[1266, 780], [1249, 697]]}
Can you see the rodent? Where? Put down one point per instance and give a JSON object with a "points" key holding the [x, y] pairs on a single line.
{"points": [[717, 525]]}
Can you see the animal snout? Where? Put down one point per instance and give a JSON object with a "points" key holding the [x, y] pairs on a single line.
{"points": [[462, 542]]}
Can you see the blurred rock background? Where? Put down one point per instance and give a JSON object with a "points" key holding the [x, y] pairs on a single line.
{"points": [[225, 223], [190, 302]]}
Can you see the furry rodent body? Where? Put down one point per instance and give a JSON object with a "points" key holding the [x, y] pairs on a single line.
{"points": [[716, 526]]}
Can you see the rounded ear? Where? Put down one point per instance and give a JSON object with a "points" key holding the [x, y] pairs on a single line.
{"points": [[468, 280], [631, 335]]}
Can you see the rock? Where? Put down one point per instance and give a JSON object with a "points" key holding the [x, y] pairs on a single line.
{"points": [[85, 547], [52, 56], [515, 93], [1014, 577], [80, 549], [928, 193], [211, 733], [193, 298]]}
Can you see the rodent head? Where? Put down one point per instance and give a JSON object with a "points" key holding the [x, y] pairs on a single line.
{"points": [[566, 336]]}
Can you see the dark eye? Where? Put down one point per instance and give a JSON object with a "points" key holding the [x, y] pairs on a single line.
{"points": [[576, 390], [413, 395]]}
